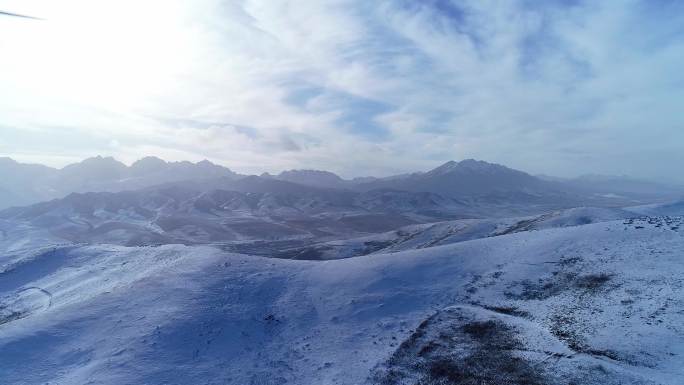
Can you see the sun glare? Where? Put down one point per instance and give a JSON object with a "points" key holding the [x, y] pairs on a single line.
{"points": [[94, 53]]}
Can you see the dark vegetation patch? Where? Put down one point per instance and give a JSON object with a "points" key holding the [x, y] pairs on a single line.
{"points": [[450, 348], [484, 368], [569, 261], [481, 331], [525, 225], [557, 283], [663, 222], [563, 327], [592, 281], [543, 288]]}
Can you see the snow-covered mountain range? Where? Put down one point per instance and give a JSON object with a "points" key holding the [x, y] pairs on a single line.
{"points": [[471, 273], [22, 184], [476, 181]]}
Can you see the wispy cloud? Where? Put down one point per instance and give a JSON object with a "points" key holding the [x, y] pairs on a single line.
{"points": [[358, 87]]}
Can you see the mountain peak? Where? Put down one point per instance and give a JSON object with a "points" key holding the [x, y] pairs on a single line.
{"points": [[97, 162], [148, 164], [311, 178], [464, 165], [309, 172], [205, 162], [213, 169], [149, 160], [100, 158], [471, 162]]}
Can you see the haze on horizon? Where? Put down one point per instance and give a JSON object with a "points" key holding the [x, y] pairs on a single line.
{"points": [[355, 87]]}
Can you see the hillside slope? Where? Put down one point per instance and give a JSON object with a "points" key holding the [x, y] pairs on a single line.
{"points": [[443, 233], [247, 209], [593, 304]]}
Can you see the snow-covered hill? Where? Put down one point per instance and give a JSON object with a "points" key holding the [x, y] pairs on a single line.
{"points": [[599, 303], [442, 233], [671, 208]]}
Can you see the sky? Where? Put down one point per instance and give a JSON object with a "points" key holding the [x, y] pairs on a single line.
{"points": [[358, 87]]}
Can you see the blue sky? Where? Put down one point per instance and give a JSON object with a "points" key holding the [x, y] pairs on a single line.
{"points": [[356, 87]]}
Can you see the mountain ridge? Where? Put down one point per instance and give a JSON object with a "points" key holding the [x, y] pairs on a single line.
{"points": [[24, 184]]}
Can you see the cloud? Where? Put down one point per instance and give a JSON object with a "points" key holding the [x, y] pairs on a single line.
{"points": [[559, 87]]}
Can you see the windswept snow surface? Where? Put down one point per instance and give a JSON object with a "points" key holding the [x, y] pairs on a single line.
{"points": [[594, 304]]}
